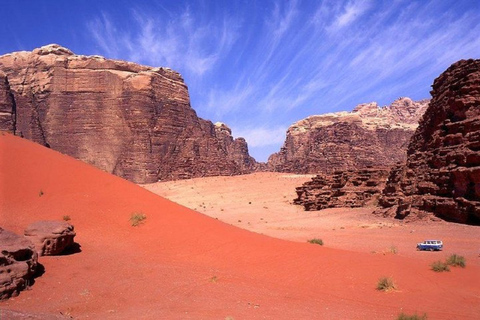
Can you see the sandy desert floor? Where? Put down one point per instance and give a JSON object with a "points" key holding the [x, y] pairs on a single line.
{"points": [[263, 203], [182, 264]]}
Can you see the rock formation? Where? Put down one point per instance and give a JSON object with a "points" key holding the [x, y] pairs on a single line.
{"points": [[351, 188], [7, 106], [50, 237], [367, 136], [442, 172], [127, 119], [18, 263]]}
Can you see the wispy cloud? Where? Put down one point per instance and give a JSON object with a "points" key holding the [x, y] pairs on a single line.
{"points": [[262, 66], [179, 41], [351, 12], [261, 136]]}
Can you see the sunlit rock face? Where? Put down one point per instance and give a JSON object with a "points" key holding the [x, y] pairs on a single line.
{"points": [[442, 174], [128, 119], [369, 136]]}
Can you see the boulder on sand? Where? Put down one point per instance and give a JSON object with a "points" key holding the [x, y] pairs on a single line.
{"points": [[50, 237], [18, 263]]}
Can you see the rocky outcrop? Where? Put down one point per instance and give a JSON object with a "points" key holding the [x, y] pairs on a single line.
{"points": [[50, 237], [442, 173], [351, 188], [365, 137], [7, 106], [18, 263], [127, 119]]}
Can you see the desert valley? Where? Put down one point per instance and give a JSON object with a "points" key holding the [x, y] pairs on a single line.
{"points": [[166, 216]]}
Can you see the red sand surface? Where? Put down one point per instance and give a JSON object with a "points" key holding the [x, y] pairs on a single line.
{"points": [[180, 264]]}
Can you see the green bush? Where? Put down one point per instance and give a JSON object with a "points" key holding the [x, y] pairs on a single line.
{"points": [[137, 218], [456, 261], [316, 241], [439, 266], [386, 284], [404, 316]]}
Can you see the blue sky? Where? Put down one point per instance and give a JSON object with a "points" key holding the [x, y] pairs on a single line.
{"points": [[259, 66]]}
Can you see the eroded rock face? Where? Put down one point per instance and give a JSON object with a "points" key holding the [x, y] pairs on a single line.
{"points": [[367, 136], [7, 106], [18, 263], [351, 188], [442, 172], [50, 237], [127, 119]]}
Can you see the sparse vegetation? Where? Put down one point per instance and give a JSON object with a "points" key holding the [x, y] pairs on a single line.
{"points": [[456, 261], [386, 284], [214, 279], [137, 218], [393, 249], [40, 193], [439, 266], [66, 218], [316, 241], [404, 316]]}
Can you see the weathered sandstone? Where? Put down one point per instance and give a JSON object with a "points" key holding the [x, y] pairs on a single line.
{"points": [[18, 263], [367, 136], [131, 120], [50, 237], [442, 172], [351, 188], [7, 105]]}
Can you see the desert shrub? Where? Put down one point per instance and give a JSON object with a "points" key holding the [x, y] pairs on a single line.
{"points": [[66, 218], [393, 249], [403, 316], [455, 260], [41, 193], [137, 218], [386, 284], [439, 266], [316, 241]]}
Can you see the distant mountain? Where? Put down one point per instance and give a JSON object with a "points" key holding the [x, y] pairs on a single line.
{"points": [[130, 120], [368, 136]]}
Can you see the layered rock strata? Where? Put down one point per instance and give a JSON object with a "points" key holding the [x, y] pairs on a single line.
{"points": [[351, 188], [18, 263], [131, 120], [50, 237], [7, 106], [367, 136], [442, 173]]}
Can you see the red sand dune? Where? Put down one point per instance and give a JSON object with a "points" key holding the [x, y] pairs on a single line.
{"points": [[181, 264]]}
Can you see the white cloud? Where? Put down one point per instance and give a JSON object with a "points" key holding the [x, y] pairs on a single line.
{"points": [[181, 42], [351, 12], [261, 136], [222, 102]]}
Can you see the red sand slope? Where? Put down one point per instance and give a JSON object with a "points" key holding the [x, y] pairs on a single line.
{"points": [[183, 265]]}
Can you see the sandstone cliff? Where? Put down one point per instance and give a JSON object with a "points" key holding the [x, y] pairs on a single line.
{"points": [[442, 172], [367, 136], [127, 119], [7, 105]]}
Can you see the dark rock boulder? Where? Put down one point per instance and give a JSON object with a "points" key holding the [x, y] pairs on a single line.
{"points": [[18, 263], [351, 188], [50, 237]]}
